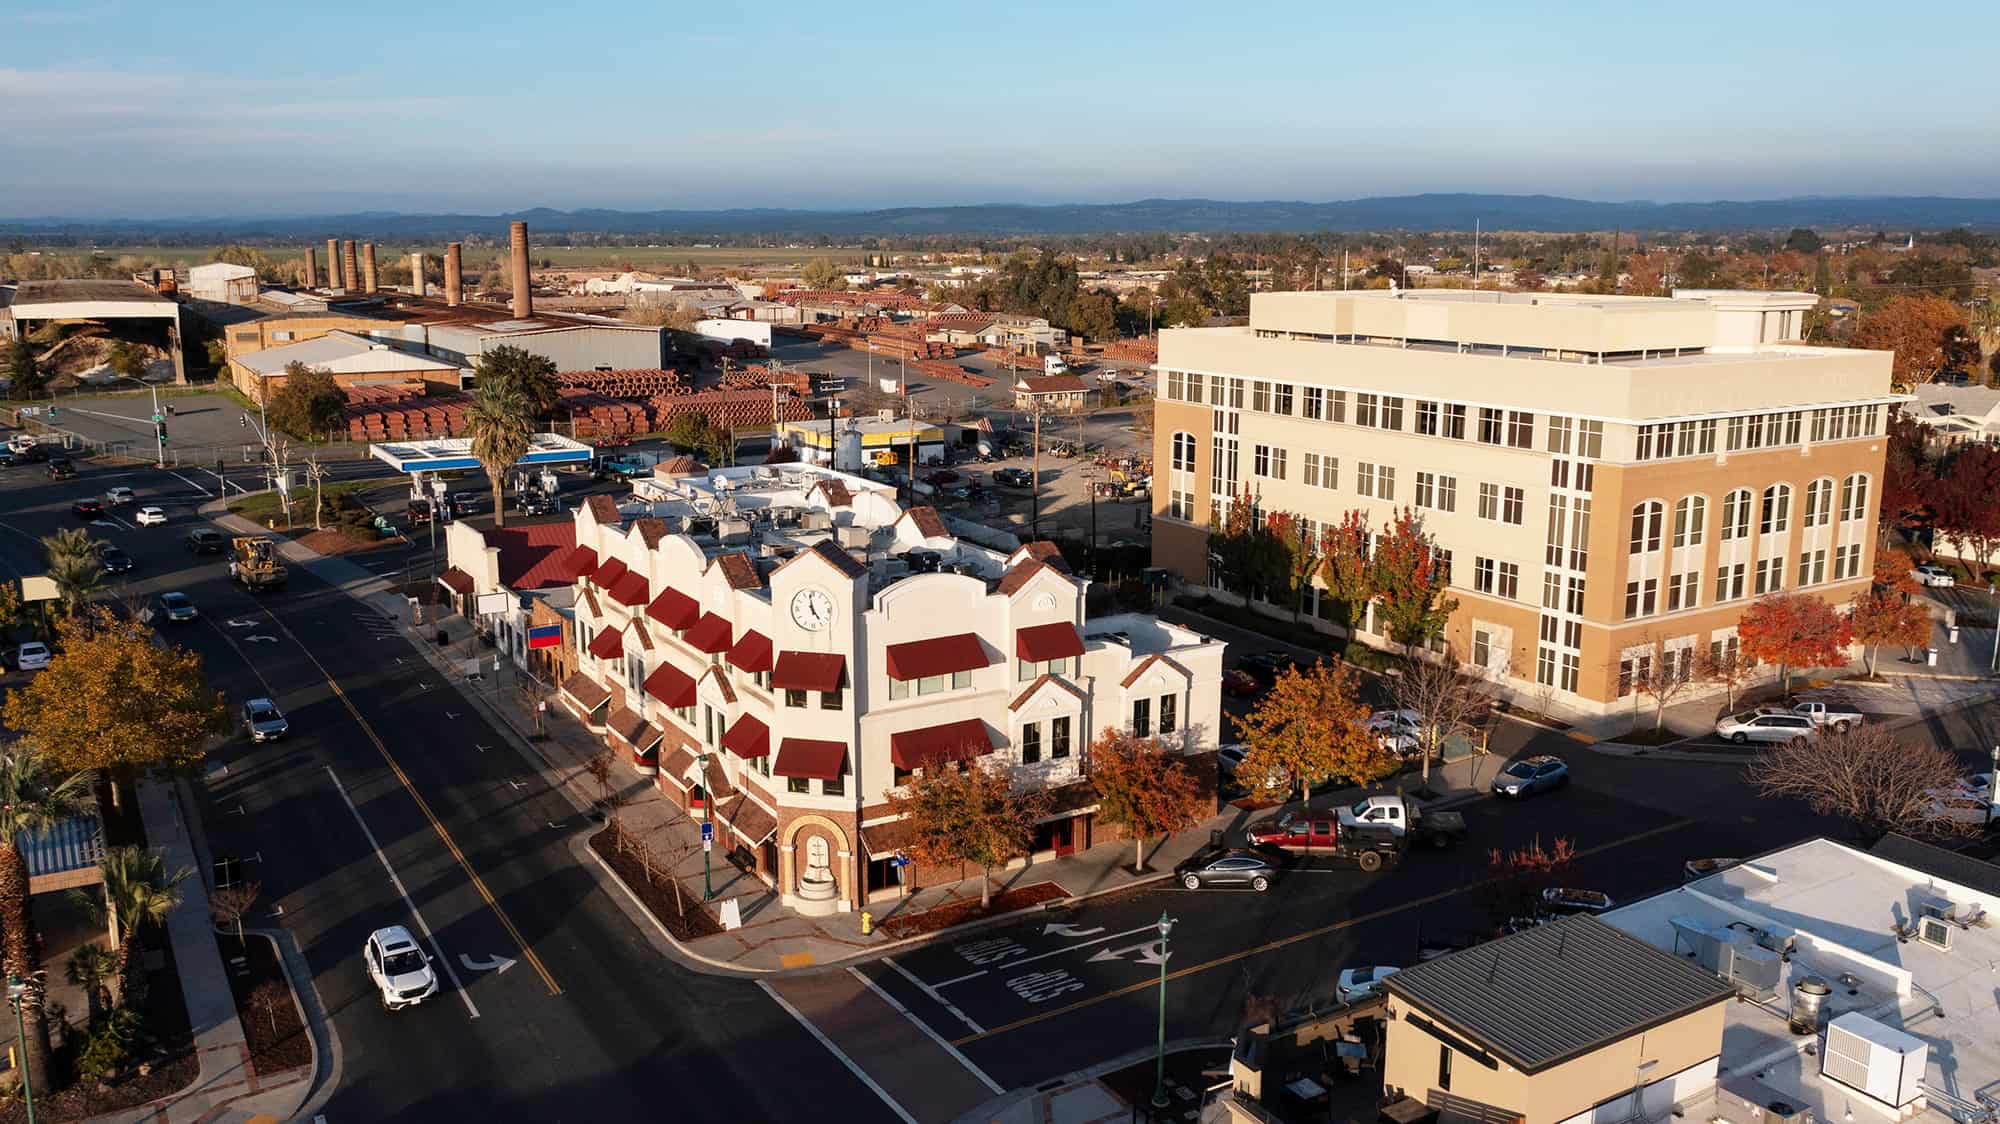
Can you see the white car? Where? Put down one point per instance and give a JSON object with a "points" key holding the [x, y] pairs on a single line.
{"points": [[1399, 731], [1935, 576], [400, 970], [32, 656], [1976, 784], [150, 517], [1357, 984], [120, 494], [1765, 726]]}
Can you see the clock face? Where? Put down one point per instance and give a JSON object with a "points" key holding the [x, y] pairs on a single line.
{"points": [[812, 609]]}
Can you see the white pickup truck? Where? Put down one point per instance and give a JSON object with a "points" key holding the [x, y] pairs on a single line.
{"points": [[1820, 715], [1405, 820]]}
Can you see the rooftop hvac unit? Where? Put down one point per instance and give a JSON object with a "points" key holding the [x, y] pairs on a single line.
{"points": [[733, 531], [1876, 1060], [851, 537], [818, 520]]}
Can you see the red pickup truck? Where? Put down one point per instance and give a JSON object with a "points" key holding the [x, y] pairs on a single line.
{"points": [[1323, 836]]}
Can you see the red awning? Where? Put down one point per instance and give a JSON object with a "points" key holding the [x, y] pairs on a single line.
{"points": [[674, 609], [608, 644], [752, 652], [671, 685], [578, 562], [920, 659], [747, 737], [811, 759], [710, 634], [953, 741], [629, 590], [1042, 642], [607, 575], [456, 580], [809, 671]]}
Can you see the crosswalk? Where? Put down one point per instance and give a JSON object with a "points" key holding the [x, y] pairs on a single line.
{"points": [[377, 626]]}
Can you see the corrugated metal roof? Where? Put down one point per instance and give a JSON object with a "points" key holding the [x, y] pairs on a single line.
{"points": [[76, 843], [1557, 991]]}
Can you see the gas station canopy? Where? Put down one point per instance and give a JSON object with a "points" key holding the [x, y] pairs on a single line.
{"points": [[451, 453]]}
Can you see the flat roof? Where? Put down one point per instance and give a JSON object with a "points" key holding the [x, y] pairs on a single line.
{"points": [[453, 453], [61, 292], [337, 351], [1557, 991]]}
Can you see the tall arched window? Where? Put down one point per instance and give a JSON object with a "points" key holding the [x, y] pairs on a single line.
{"points": [[1184, 452], [1819, 503], [1777, 509], [1646, 520], [1689, 513], [1854, 497], [1736, 514]]}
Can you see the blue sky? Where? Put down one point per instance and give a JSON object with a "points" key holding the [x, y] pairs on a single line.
{"points": [[150, 109]]}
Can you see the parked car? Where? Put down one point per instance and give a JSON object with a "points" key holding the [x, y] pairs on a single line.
{"points": [[1820, 714], [60, 468], [1405, 820], [1568, 899], [1229, 764], [1976, 784], [32, 656], [1933, 575], [1694, 870], [177, 607], [1357, 984], [119, 495], [1399, 731], [1240, 683], [1013, 477], [114, 560], [1529, 775], [1267, 666], [1226, 866], [1323, 836], [941, 476], [399, 969], [1764, 726], [263, 721], [204, 540], [150, 517], [537, 504], [86, 509]]}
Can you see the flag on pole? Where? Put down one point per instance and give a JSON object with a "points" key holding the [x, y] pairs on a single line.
{"points": [[544, 636]]}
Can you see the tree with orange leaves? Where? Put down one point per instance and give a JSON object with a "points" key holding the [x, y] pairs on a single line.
{"points": [[1915, 327], [1793, 630], [1882, 616], [1343, 564], [1144, 787], [1311, 727], [1410, 581]]}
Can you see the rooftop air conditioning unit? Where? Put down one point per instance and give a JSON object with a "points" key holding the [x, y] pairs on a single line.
{"points": [[1878, 1061]]}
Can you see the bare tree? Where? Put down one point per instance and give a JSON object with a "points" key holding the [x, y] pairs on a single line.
{"points": [[1445, 699], [599, 766], [1871, 777], [316, 471], [231, 904], [279, 450], [1726, 664], [1663, 675]]}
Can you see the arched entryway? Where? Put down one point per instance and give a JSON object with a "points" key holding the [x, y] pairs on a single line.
{"points": [[814, 859]]}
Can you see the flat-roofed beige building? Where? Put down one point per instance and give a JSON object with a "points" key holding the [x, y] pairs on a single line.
{"points": [[1603, 472]]}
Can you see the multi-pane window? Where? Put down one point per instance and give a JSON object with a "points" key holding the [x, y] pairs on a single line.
{"points": [[1491, 426], [1558, 522], [1682, 591], [1559, 434], [1646, 520], [1176, 386], [1502, 579], [1180, 505], [1031, 743], [1364, 478], [1142, 718], [1184, 452], [1512, 505], [1392, 412], [1777, 510], [1846, 561], [1590, 439], [1454, 422], [1168, 719], [1268, 461], [1364, 409], [1322, 471], [1770, 575], [1819, 503], [1447, 493], [1736, 514], [1574, 604], [1312, 403], [1336, 405], [1501, 504], [1520, 429], [1438, 493], [1427, 418], [1579, 535], [1729, 581], [1641, 598], [1688, 514], [1489, 501], [1260, 396], [1812, 567], [1281, 399], [1385, 482], [1059, 737], [1853, 497]]}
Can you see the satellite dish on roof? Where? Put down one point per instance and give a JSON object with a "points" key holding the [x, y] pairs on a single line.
{"points": [[719, 482]]}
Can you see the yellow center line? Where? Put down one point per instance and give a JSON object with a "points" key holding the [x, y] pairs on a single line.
{"points": [[437, 825], [1281, 942]]}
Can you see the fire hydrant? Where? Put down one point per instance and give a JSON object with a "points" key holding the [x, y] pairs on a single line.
{"points": [[867, 922]]}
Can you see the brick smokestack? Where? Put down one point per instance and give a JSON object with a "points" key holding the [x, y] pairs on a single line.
{"points": [[454, 281], [417, 285], [312, 267], [332, 264], [350, 267], [368, 267], [524, 300]]}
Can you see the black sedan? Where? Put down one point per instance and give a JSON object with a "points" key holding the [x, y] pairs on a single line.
{"points": [[1227, 866], [114, 560], [1267, 666], [86, 509], [1013, 477], [204, 541]]}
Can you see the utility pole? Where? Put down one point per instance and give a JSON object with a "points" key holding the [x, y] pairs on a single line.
{"points": [[1160, 1059], [1035, 472]]}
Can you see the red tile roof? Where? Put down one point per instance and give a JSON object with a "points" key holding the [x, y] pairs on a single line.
{"points": [[457, 580], [638, 733], [721, 678], [1042, 550], [651, 529], [671, 685], [809, 671], [952, 741], [674, 609], [941, 655], [739, 570], [536, 556], [811, 759], [1021, 699], [1052, 384], [604, 509], [836, 492], [682, 465], [587, 692], [1148, 662], [929, 523], [1019, 575], [752, 652], [1058, 641]]}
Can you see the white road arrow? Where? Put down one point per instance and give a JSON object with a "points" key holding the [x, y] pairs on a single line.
{"points": [[1150, 952], [491, 964], [260, 638], [241, 623], [1069, 931]]}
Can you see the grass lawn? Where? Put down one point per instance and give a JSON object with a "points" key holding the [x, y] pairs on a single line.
{"points": [[262, 507]]}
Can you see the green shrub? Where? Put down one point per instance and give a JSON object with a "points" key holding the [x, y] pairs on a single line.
{"points": [[113, 1037]]}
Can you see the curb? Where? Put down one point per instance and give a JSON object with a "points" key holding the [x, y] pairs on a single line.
{"points": [[325, 1037], [298, 1007], [579, 845], [991, 1110]]}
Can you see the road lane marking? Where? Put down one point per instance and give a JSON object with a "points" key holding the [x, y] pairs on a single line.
{"points": [[999, 957], [423, 806], [928, 1032], [189, 483], [1295, 938], [436, 947], [932, 992], [837, 1052]]}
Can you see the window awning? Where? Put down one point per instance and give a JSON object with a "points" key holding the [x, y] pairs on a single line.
{"points": [[588, 693], [1043, 642], [633, 728], [747, 737], [809, 671], [942, 655], [811, 759], [629, 590], [608, 644], [710, 634], [953, 741], [674, 609], [607, 575], [456, 580], [752, 652], [672, 686]]}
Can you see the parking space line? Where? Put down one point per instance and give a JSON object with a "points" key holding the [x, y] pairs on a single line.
{"points": [[1282, 942], [837, 1052], [457, 984], [932, 992], [932, 1034]]}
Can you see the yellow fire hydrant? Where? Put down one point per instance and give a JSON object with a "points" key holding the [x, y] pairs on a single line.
{"points": [[867, 922]]}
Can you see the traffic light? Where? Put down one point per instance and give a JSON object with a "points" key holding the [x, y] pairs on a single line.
{"points": [[161, 427], [244, 421]]}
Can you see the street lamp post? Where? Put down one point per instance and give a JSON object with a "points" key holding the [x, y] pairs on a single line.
{"points": [[1160, 1062], [708, 821], [159, 422], [15, 991]]}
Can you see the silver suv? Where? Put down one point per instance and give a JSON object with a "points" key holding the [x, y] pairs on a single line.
{"points": [[1754, 726]]}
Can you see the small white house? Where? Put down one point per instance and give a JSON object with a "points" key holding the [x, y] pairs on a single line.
{"points": [[223, 283]]}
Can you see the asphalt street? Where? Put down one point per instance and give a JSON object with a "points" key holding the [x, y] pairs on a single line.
{"points": [[393, 802]]}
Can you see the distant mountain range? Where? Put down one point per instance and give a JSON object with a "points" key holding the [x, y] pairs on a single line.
{"points": [[1398, 212]]}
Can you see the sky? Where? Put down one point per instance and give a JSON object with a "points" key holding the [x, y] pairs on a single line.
{"points": [[202, 109]]}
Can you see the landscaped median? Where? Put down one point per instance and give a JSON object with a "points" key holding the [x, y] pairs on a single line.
{"points": [[650, 878], [347, 524]]}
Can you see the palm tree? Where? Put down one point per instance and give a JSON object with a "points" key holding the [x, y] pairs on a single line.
{"points": [[138, 892], [75, 566], [499, 422], [92, 968], [32, 799]]}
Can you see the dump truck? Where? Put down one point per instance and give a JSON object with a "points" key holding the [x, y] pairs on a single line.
{"points": [[254, 561]]}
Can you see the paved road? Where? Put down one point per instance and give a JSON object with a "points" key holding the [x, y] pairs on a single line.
{"points": [[390, 771]]}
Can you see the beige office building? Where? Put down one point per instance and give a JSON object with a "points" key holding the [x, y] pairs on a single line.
{"points": [[1604, 473]]}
